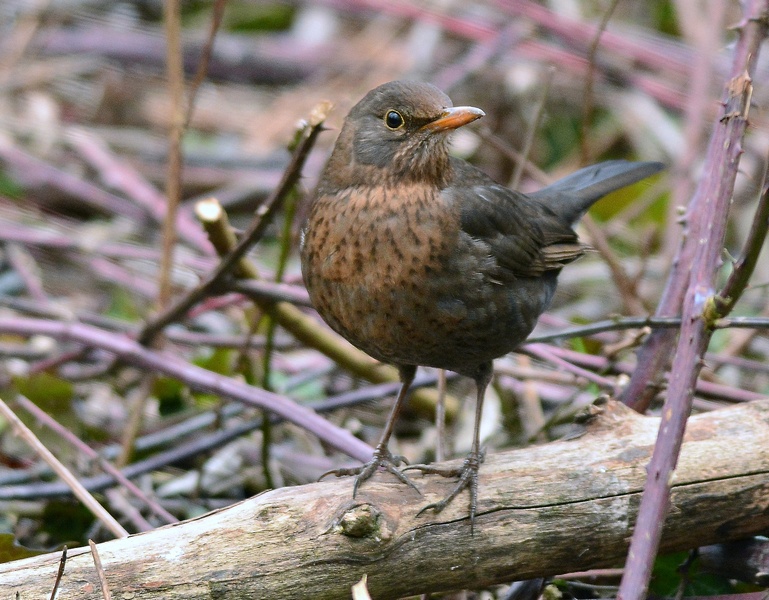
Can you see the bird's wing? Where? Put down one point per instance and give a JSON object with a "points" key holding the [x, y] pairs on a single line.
{"points": [[524, 237]]}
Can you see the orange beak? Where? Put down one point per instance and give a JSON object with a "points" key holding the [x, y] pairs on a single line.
{"points": [[452, 118]]}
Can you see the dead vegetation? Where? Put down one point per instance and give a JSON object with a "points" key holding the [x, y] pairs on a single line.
{"points": [[202, 397]]}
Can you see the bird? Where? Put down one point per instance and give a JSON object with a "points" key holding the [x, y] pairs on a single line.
{"points": [[419, 258]]}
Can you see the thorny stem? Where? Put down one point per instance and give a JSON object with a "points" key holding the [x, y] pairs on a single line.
{"points": [[724, 149], [711, 199], [743, 268]]}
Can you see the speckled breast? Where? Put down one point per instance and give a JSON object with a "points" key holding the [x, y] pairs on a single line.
{"points": [[395, 275]]}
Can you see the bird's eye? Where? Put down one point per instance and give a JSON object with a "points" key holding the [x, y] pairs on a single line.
{"points": [[393, 119]]}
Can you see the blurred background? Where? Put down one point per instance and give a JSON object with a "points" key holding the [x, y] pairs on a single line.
{"points": [[85, 115]]}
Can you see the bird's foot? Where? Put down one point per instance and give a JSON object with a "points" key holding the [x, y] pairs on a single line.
{"points": [[468, 479], [383, 459]]}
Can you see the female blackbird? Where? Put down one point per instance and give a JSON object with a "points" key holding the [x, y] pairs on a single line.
{"points": [[419, 258]]}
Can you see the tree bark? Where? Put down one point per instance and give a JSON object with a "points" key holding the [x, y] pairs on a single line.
{"points": [[543, 510]]}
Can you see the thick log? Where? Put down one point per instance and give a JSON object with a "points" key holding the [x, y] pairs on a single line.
{"points": [[544, 510]]}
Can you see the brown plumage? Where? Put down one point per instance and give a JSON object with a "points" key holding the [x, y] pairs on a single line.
{"points": [[419, 258]]}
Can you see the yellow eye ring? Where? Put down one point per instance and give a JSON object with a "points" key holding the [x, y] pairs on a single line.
{"points": [[393, 120]]}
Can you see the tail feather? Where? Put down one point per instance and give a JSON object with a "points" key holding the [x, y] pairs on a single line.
{"points": [[571, 196]]}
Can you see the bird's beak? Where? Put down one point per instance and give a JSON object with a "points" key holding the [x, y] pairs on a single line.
{"points": [[452, 118]]}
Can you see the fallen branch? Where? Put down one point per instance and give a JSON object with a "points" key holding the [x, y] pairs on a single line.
{"points": [[544, 510]]}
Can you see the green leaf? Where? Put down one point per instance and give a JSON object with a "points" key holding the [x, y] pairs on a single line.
{"points": [[9, 187], [66, 520], [47, 391], [667, 575], [11, 550], [170, 394], [218, 361]]}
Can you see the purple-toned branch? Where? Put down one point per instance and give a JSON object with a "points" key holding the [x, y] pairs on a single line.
{"points": [[198, 378], [721, 162], [89, 452], [33, 172], [50, 236], [581, 34], [119, 174], [697, 109], [275, 59], [746, 264], [707, 216], [657, 53], [544, 352], [25, 267], [712, 389]]}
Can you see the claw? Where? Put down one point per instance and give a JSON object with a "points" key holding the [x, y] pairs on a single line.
{"points": [[381, 458], [468, 478], [341, 472]]}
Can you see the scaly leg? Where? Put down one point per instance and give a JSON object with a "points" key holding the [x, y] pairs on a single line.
{"points": [[382, 456], [468, 472]]}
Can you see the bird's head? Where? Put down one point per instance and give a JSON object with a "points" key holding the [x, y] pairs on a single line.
{"points": [[399, 132]]}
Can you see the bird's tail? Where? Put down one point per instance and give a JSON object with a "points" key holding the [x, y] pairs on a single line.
{"points": [[571, 196]]}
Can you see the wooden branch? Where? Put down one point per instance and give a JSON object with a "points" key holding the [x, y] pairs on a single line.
{"points": [[543, 510]]}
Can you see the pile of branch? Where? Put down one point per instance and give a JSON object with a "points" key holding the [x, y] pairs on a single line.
{"points": [[565, 505]]}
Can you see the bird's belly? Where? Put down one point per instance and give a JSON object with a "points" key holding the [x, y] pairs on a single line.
{"points": [[456, 331]]}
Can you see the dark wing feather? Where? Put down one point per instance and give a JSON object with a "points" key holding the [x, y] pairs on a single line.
{"points": [[524, 237]]}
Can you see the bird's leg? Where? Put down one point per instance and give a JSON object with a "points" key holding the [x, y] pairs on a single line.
{"points": [[468, 472], [382, 456]]}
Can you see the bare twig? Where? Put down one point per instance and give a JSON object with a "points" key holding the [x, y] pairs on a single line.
{"points": [[175, 72], [711, 200], [533, 128], [100, 570], [24, 265], [32, 171], [16, 42], [137, 401], [254, 233], [440, 418], [119, 173], [205, 59], [601, 364], [201, 443], [196, 377], [120, 503], [59, 572], [54, 425], [743, 268], [273, 292], [77, 488], [272, 322], [625, 323], [481, 55], [222, 236], [626, 286], [702, 25], [588, 101], [568, 482], [543, 353], [723, 150]]}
